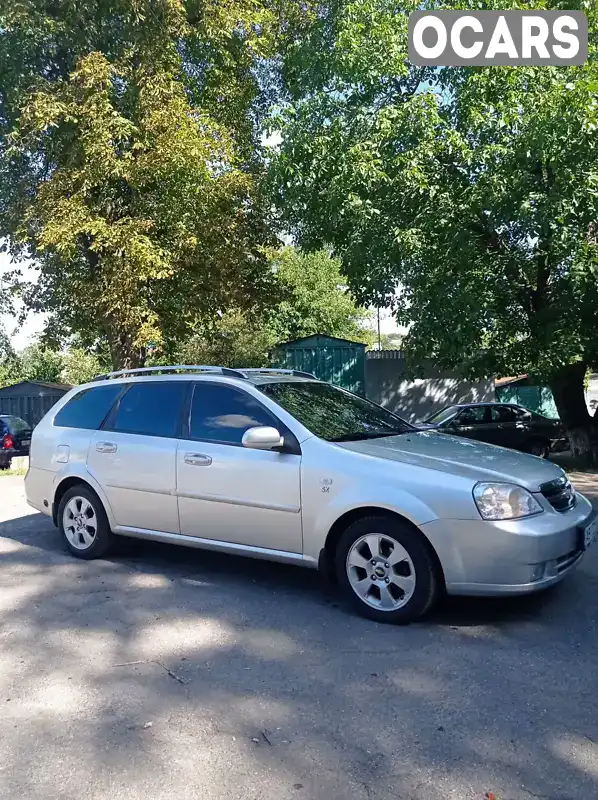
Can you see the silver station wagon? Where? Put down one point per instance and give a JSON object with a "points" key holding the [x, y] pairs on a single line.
{"points": [[275, 464]]}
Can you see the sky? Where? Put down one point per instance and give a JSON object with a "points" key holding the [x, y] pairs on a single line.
{"points": [[20, 335]]}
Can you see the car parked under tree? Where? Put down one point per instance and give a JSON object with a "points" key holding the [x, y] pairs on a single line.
{"points": [[503, 424]]}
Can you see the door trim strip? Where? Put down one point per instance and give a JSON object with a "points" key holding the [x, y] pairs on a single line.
{"points": [[233, 501]]}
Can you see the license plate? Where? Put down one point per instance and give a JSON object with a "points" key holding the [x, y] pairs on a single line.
{"points": [[25, 442], [588, 534]]}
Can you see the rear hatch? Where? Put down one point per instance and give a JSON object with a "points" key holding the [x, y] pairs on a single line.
{"points": [[17, 431]]}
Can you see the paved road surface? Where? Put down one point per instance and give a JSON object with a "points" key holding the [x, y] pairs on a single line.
{"points": [[168, 673]]}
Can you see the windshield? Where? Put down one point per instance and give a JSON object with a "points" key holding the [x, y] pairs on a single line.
{"points": [[334, 414], [442, 416], [15, 424]]}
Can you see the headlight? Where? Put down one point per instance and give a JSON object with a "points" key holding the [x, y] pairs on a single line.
{"points": [[504, 501]]}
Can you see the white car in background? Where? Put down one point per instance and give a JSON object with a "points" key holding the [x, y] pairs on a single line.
{"points": [[275, 464]]}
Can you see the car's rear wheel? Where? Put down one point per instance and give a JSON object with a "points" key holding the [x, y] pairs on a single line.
{"points": [[83, 523], [386, 570]]}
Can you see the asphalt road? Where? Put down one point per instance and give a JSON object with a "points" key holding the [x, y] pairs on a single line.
{"points": [[167, 673]]}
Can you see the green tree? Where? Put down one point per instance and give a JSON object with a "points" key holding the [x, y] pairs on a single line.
{"points": [[129, 161], [236, 339], [40, 363], [80, 366], [308, 296], [314, 298], [10, 367], [474, 190]]}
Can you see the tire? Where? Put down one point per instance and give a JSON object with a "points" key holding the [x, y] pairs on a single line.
{"points": [[415, 571], [539, 448], [90, 536]]}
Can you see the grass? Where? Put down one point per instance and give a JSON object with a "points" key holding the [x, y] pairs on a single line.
{"points": [[4, 473]]}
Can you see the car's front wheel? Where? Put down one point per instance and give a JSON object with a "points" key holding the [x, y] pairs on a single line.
{"points": [[386, 570], [83, 523], [539, 448]]}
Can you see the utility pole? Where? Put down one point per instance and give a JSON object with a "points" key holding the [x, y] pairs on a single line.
{"points": [[379, 339]]}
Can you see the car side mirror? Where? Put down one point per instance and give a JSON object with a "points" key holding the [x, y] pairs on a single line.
{"points": [[262, 438], [527, 416]]}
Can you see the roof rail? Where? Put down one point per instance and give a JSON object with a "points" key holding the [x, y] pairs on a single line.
{"points": [[275, 371], [127, 373]]}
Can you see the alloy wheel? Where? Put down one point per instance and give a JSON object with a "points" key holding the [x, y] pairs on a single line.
{"points": [[80, 523], [381, 572]]}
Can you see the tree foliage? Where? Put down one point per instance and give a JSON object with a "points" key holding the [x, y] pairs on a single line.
{"points": [[129, 160], [308, 297], [8, 360], [39, 363], [473, 190], [80, 366]]}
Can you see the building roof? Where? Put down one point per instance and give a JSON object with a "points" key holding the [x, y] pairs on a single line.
{"points": [[63, 387], [507, 381], [320, 336]]}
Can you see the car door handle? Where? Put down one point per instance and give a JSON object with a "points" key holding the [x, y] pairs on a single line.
{"points": [[106, 447], [197, 459]]}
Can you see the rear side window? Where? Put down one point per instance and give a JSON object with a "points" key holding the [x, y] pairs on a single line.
{"points": [[222, 414], [16, 424], [88, 408], [152, 409], [504, 414]]}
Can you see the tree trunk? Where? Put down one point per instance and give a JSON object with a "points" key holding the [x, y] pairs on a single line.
{"points": [[122, 352], [568, 390]]}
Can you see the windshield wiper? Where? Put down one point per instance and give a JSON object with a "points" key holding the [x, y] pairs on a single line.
{"points": [[360, 436]]}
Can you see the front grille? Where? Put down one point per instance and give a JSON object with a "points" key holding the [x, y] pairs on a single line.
{"points": [[559, 493]]}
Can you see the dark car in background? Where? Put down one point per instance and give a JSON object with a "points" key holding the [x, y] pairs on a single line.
{"points": [[503, 424], [15, 438]]}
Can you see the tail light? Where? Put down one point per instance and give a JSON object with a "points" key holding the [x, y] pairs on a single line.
{"points": [[7, 442]]}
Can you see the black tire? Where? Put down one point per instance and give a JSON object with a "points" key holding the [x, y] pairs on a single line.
{"points": [[539, 448], [427, 580], [102, 538]]}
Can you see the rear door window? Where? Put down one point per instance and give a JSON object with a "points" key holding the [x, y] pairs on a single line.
{"points": [[151, 409], [89, 407], [503, 414]]}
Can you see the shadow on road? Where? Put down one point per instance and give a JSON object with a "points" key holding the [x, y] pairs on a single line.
{"points": [[144, 556], [164, 672]]}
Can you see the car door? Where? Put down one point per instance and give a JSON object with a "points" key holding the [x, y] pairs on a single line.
{"points": [[472, 422], [133, 456], [231, 493], [508, 428]]}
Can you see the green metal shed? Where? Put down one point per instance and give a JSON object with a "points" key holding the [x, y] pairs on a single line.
{"points": [[338, 361], [525, 392]]}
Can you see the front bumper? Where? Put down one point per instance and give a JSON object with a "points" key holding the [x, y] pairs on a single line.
{"points": [[512, 557]]}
